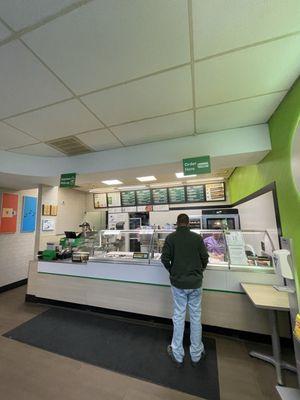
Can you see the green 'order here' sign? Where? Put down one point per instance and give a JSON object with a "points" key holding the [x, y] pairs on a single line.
{"points": [[67, 180], [196, 165]]}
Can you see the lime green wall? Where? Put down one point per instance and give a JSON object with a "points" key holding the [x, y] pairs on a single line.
{"points": [[276, 167]]}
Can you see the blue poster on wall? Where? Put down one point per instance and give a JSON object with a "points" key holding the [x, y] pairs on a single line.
{"points": [[28, 214]]}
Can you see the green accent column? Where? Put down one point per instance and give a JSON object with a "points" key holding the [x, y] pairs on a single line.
{"points": [[276, 166]]}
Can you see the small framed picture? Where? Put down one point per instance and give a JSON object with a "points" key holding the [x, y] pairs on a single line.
{"points": [[48, 225], [53, 210], [46, 209]]}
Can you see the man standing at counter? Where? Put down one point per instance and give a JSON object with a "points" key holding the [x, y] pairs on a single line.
{"points": [[185, 257]]}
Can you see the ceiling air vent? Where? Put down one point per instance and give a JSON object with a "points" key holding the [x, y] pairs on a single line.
{"points": [[71, 146]]}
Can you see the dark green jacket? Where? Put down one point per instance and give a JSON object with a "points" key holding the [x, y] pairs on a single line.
{"points": [[185, 257]]}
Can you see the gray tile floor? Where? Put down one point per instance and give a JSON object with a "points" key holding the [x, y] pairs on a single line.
{"points": [[28, 373]]}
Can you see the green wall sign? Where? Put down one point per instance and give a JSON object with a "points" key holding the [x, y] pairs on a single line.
{"points": [[196, 165], [67, 180]]}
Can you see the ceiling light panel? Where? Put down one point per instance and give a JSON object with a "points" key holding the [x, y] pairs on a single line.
{"points": [[233, 23], [19, 14], [59, 120], [118, 41], [100, 140], [149, 178], [250, 72], [159, 94], [39, 149], [180, 175], [256, 110], [24, 82], [112, 182], [10, 137], [154, 129]]}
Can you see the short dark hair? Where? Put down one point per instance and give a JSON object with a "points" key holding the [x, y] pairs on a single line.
{"points": [[183, 219]]}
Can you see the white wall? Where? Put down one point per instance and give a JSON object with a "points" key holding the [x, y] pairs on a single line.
{"points": [[70, 213], [259, 214], [16, 249]]}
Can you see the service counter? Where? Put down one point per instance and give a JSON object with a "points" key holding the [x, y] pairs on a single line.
{"points": [[116, 279]]}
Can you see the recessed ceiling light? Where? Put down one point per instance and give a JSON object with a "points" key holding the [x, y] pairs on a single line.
{"points": [[181, 175], [146, 178], [112, 182]]}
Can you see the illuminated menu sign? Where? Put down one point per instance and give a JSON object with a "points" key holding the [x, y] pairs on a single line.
{"points": [[143, 197], [215, 191], [177, 195], [128, 198], [114, 199], [195, 193], [160, 196]]}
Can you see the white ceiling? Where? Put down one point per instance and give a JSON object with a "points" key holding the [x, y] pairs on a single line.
{"points": [[121, 72]]}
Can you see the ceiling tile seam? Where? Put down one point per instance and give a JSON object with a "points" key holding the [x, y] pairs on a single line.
{"points": [[35, 109], [21, 131], [66, 86], [242, 98], [136, 79], [191, 42], [248, 46], [230, 129], [30, 28], [189, 135], [74, 96], [148, 118]]}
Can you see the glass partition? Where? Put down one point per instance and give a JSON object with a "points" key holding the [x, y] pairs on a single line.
{"points": [[228, 249]]}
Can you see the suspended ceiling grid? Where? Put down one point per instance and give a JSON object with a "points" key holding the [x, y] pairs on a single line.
{"points": [[123, 72]]}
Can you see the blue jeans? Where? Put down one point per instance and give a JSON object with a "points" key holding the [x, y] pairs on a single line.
{"points": [[181, 299]]}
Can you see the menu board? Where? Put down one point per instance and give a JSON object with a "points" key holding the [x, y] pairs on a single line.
{"points": [[114, 199], [143, 197], [128, 198], [195, 193], [100, 200], [177, 195], [215, 191], [160, 196]]}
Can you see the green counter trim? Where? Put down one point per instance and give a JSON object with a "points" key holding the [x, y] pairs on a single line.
{"points": [[140, 283]]}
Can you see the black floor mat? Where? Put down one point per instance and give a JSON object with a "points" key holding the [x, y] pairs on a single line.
{"points": [[127, 347]]}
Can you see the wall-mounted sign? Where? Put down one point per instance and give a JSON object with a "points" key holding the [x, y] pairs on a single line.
{"points": [[67, 180], [196, 165], [114, 199], [9, 211], [28, 214], [48, 225], [100, 200], [160, 196], [128, 198], [215, 191], [143, 197], [177, 195], [195, 194]]}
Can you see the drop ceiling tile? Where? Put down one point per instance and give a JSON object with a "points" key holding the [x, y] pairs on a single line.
{"points": [[253, 71], [24, 82], [10, 137], [246, 112], [222, 25], [19, 14], [4, 32], [159, 94], [99, 140], [108, 42], [40, 149], [155, 129], [59, 120]]}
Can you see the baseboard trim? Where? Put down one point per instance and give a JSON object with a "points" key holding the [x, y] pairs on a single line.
{"points": [[13, 285], [241, 335]]}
